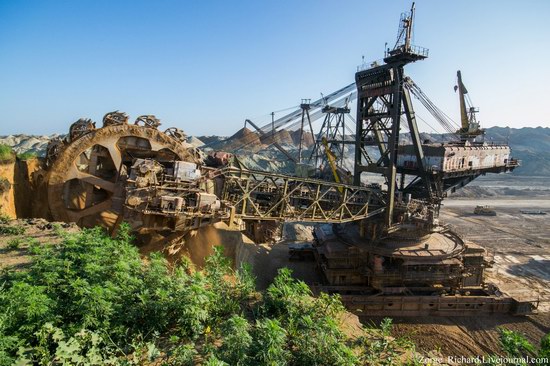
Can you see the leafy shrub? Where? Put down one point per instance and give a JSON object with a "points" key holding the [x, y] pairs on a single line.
{"points": [[183, 355], [27, 155], [27, 307], [6, 154], [7, 342], [4, 219], [83, 348], [545, 347], [380, 348], [312, 331], [236, 341], [14, 243], [12, 229], [518, 349], [213, 361], [34, 245], [92, 300], [269, 347], [100, 284], [514, 344]]}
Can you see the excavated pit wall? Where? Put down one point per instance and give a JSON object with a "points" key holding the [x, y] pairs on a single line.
{"points": [[25, 195], [7, 184]]}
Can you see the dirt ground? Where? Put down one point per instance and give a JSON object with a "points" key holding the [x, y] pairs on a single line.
{"points": [[520, 243], [38, 231]]}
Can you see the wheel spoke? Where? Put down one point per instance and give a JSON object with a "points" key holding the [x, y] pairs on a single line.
{"points": [[75, 215], [74, 173], [115, 153]]}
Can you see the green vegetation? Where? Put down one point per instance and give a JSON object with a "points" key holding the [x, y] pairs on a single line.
{"points": [[92, 300], [6, 154], [14, 243], [27, 155], [519, 351], [4, 219], [34, 246], [516, 346], [7, 229]]}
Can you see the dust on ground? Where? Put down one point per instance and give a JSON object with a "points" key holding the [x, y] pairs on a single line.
{"points": [[519, 243], [270, 257]]}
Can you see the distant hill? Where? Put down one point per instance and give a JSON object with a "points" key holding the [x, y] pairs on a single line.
{"points": [[530, 145]]}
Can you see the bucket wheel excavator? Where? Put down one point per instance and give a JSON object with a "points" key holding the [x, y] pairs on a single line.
{"points": [[385, 251], [87, 171]]}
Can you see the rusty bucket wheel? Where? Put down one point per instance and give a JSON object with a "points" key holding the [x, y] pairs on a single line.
{"points": [[86, 181]]}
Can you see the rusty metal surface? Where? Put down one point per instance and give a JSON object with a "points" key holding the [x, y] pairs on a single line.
{"points": [[67, 168], [458, 305]]}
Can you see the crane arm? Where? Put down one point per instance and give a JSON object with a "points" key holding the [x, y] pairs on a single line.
{"points": [[331, 160], [462, 97]]}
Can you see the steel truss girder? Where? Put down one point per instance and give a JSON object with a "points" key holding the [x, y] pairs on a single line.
{"points": [[256, 195]]}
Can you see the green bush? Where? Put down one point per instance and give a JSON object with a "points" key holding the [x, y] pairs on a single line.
{"points": [[518, 349], [4, 219], [14, 243], [380, 348], [34, 246], [514, 344], [270, 343], [183, 355], [6, 154], [92, 300], [12, 229], [544, 351], [236, 341], [27, 155], [313, 334], [100, 284]]}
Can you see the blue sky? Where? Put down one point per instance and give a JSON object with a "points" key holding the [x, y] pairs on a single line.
{"points": [[205, 66]]}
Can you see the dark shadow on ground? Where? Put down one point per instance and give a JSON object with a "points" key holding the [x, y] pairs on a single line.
{"points": [[539, 269]]}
